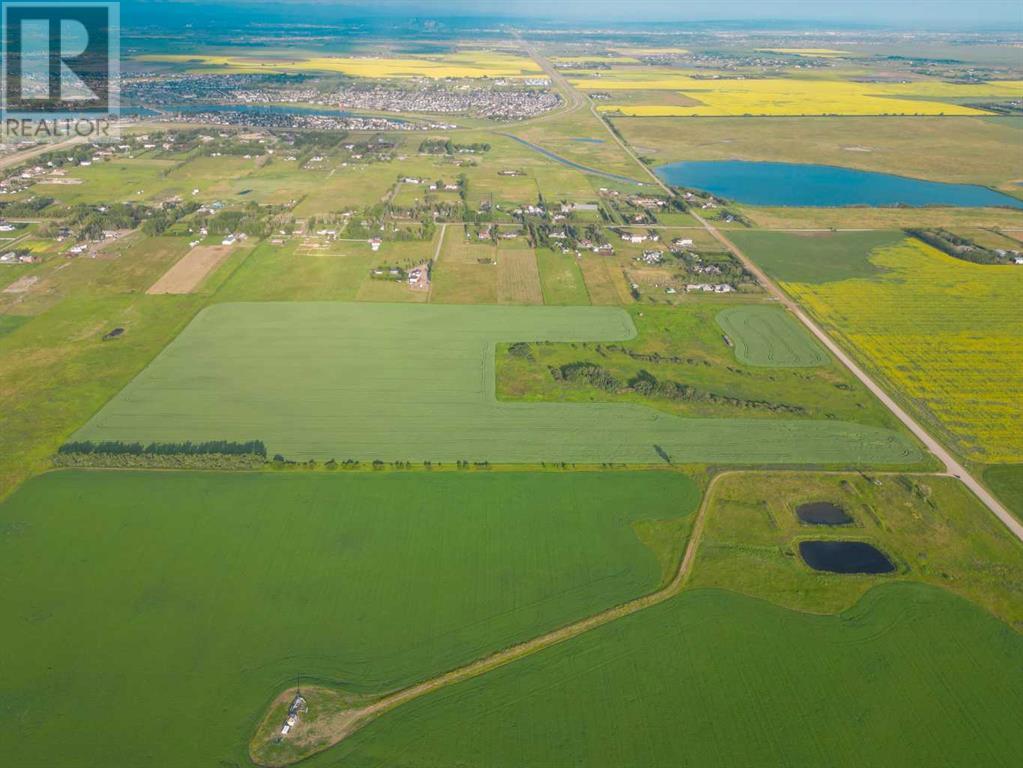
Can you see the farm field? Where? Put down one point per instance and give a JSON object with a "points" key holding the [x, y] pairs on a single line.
{"points": [[816, 257], [393, 382], [725, 680], [793, 96], [561, 279], [188, 273], [585, 492], [374, 579], [769, 336], [469, 63], [964, 150], [941, 331], [1006, 480]]}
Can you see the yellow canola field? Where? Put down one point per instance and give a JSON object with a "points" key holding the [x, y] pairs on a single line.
{"points": [[611, 59], [460, 64], [784, 96], [945, 332], [817, 53]]}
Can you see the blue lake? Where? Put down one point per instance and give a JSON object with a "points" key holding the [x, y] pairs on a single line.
{"points": [[792, 184]]}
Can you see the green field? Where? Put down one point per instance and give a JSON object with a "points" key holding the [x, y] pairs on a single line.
{"points": [[814, 257], [185, 601], [908, 676], [941, 333], [561, 279], [1006, 481], [397, 382], [9, 323], [770, 337]]}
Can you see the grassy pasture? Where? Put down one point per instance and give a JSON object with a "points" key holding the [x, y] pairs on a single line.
{"points": [[943, 333], [909, 675], [466, 272], [10, 323], [283, 272], [374, 579], [394, 382], [561, 278], [785, 218], [605, 283], [932, 528], [770, 337], [684, 344], [1006, 480]]}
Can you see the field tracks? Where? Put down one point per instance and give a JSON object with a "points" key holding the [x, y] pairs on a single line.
{"points": [[334, 727], [436, 256]]}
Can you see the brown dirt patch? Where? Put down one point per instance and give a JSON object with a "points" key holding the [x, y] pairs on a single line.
{"points": [[191, 269]]}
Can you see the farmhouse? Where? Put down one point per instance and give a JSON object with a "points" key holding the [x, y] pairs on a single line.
{"points": [[709, 287]]}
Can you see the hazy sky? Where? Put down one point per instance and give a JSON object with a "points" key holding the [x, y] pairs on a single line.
{"points": [[921, 14]]}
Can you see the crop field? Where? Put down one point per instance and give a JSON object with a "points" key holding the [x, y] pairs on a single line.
{"points": [[188, 273], [1006, 480], [942, 331], [823, 53], [816, 257], [456, 64], [795, 96], [932, 528], [769, 336], [712, 678], [964, 150], [518, 278], [605, 283], [377, 579], [396, 382]]}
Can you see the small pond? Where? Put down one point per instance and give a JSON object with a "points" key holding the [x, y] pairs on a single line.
{"points": [[797, 184], [845, 557], [822, 513]]}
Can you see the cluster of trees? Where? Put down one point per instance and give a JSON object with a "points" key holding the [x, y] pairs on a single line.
{"points": [[646, 384], [448, 147], [253, 220], [29, 207], [233, 147], [960, 247], [254, 447], [215, 454], [88, 222], [165, 218]]}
